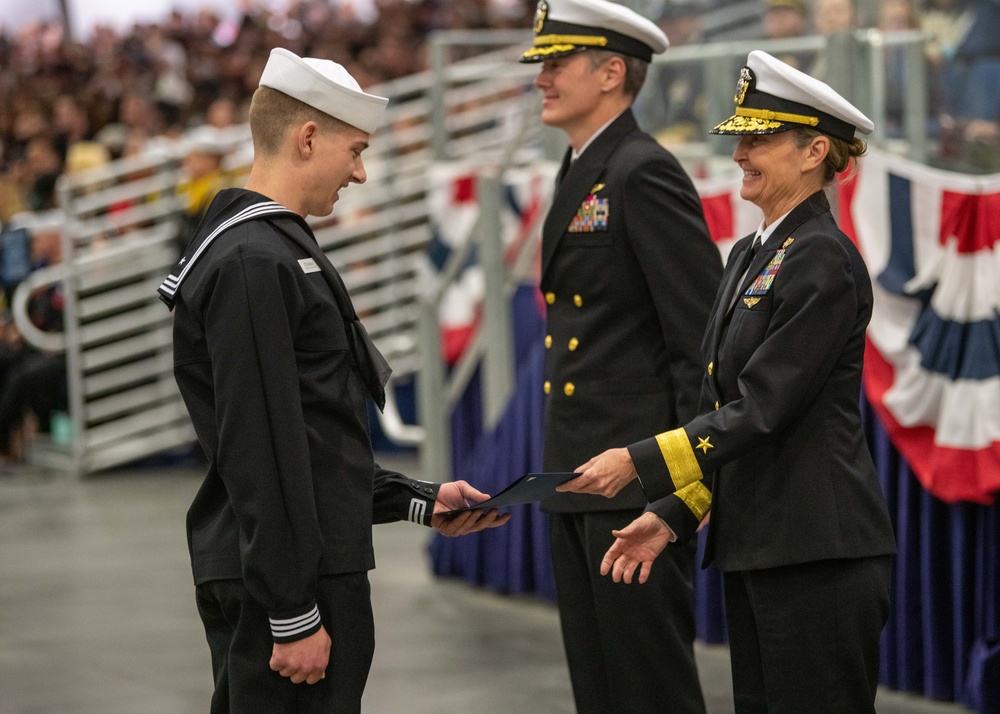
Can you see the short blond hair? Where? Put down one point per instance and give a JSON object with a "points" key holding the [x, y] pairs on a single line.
{"points": [[272, 113]]}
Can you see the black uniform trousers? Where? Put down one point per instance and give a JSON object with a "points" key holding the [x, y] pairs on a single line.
{"points": [[608, 627], [239, 637], [805, 638]]}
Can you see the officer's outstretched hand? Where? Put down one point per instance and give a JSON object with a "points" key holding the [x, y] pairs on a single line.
{"points": [[459, 494], [304, 660], [637, 544], [605, 475]]}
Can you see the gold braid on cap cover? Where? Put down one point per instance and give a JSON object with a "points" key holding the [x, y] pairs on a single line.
{"points": [[745, 125], [776, 116], [587, 40]]}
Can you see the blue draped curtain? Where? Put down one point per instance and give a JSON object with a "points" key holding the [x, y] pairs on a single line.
{"points": [[943, 635]]}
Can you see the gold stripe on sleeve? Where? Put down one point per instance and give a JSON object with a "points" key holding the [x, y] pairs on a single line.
{"points": [[697, 498], [679, 458]]}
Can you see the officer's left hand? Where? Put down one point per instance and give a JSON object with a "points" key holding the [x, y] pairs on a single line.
{"points": [[459, 494], [636, 546], [605, 475]]}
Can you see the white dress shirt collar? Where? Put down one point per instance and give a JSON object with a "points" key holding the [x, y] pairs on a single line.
{"points": [[576, 154]]}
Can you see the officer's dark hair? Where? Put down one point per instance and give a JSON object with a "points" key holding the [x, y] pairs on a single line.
{"points": [[635, 69], [272, 113], [840, 155]]}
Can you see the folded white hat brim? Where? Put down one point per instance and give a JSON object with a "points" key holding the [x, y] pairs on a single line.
{"points": [[323, 85]]}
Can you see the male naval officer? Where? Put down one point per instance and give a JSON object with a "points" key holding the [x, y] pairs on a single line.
{"points": [[629, 275]]}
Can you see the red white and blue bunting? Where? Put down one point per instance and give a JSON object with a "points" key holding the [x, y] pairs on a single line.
{"points": [[932, 371]]}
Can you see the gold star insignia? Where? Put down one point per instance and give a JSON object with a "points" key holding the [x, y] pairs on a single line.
{"points": [[704, 444]]}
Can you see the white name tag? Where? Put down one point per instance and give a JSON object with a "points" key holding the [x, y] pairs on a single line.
{"points": [[309, 265]]}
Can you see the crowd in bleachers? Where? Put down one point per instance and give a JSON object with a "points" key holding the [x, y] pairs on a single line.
{"points": [[962, 65], [180, 85], [67, 105], [115, 92]]}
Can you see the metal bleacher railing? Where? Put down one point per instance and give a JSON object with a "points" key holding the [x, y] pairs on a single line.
{"points": [[120, 225], [119, 238]]}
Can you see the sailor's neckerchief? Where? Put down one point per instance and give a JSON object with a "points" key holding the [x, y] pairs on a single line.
{"points": [[234, 206]]}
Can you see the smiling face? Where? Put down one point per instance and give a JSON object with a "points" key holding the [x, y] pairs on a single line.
{"points": [[571, 92], [336, 164], [302, 156], [777, 173], [580, 93]]}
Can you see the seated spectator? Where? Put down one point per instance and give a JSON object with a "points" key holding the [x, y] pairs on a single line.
{"points": [[11, 200], [204, 149], [946, 22], [831, 17], [896, 16], [679, 88], [978, 55], [973, 76], [32, 382], [45, 156], [834, 16], [86, 155], [33, 386], [784, 19], [223, 113], [70, 120]]}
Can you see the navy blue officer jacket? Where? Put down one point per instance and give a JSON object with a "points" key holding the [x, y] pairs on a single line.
{"points": [[628, 274], [780, 428]]}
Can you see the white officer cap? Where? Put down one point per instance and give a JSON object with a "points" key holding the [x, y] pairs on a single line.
{"points": [[564, 27], [323, 85], [772, 97]]}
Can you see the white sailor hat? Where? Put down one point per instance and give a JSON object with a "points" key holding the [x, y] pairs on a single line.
{"points": [[564, 27], [772, 97], [324, 85]]}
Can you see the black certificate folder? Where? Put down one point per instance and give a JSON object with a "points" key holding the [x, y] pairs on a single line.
{"points": [[527, 489]]}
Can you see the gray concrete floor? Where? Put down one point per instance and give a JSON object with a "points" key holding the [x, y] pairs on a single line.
{"points": [[97, 615]]}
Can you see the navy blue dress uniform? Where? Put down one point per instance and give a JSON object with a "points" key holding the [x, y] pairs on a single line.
{"points": [[276, 371], [799, 524], [281, 526], [628, 275]]}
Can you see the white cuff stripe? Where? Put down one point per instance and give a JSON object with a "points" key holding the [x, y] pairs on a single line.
{"points": [[295, 625], [418, 508]]}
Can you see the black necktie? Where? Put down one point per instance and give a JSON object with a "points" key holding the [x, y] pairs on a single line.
{"points": [[745, 266], [564, 168]]}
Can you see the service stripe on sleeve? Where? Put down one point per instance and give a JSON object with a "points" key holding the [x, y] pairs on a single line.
{"points": [[293, 626], [679, 458], [418, 509]]}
